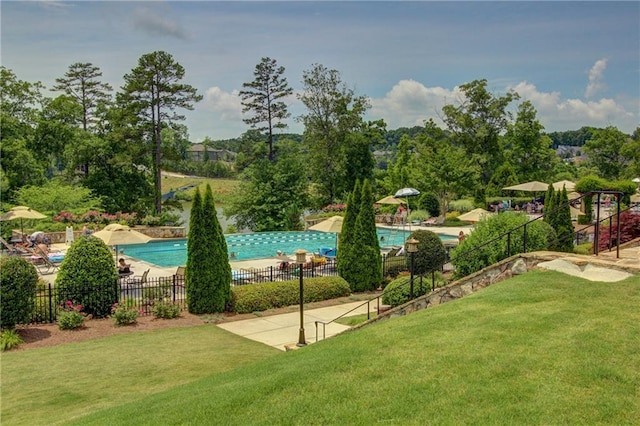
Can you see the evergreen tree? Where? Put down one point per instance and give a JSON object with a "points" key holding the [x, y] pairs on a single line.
{"points": [[548, 205], [217, 258], [564, 224], [345, 243], [369, 262], [195, 275]]}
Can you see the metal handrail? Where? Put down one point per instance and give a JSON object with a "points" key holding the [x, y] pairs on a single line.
{"points": [[508, 235]]}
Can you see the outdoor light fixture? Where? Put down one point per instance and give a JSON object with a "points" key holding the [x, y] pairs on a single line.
{"points": [[301, 259], [412, 248]]}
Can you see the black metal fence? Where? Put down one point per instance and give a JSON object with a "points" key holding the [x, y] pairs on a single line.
{"points": [[50, 300]]}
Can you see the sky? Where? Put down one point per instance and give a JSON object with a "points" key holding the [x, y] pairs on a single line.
{"points": [[577, 62]]}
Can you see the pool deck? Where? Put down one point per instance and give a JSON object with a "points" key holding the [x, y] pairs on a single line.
{"points": [[139, 266]]}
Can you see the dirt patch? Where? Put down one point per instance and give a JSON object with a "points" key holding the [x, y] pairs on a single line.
{"points": [[43, 335]]}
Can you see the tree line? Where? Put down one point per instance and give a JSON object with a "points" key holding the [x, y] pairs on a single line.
{"points": [[115, 145]]}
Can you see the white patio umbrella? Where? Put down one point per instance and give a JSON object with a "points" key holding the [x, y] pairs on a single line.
{"points": [[119, 235], [406, 193]]}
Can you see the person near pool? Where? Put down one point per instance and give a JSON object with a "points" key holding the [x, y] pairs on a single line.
{"points": [[461, 236], [123, 267]]}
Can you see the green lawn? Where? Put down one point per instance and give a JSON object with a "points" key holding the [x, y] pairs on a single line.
{"points": [[56, 384], [542, 348]]}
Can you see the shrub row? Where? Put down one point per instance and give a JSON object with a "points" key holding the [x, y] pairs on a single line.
{"points": [[260, 297]]}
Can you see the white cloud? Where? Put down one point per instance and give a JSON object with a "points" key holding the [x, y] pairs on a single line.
{"points": [[154, 23], [596, 77], [410, 103], [224, 103]]}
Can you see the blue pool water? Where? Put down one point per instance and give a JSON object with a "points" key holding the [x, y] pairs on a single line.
{"points": [[259, 245]]}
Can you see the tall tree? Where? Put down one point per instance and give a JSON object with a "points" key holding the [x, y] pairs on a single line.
{"points": [[153, 91], [606, 152], [446, 170], [334, 113], [272, 195], [528, 149], [476, 124], [21, 106], [81, 82], [263, 97]]}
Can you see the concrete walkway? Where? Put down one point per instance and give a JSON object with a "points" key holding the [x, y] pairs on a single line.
{"points": [[282, 330]]}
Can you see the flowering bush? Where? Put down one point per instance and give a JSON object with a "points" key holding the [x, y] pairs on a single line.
{"points": [[334, 208], [66, 217], [92, 216], [125, 313], [71, 316]]}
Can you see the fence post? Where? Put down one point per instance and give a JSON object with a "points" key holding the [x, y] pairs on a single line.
{"points": [[50, 303], [524, 239], [173, 288], [509, 244]]}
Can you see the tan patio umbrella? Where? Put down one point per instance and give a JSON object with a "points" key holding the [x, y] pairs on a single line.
{"points": [[333, 224], [22, 212], [533, 186], [390, 200], [574, 195], [474, 215], [570, 186], [119, 235]]}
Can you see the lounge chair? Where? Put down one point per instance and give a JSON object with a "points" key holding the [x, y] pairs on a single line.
{"points": [[434, 221], [139, 279], [38, 254]]}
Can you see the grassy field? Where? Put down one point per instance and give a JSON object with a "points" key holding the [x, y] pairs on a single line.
{"points": [[541, 348], [222, 188]]}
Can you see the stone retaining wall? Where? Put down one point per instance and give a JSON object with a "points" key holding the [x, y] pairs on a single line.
{"points": [[507, 268], [156, 232]]}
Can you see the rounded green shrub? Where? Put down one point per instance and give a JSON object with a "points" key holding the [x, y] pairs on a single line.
{"points": [[398, 291], [481, 248], [431, 253], [17, 292], [88, 277], [430, 203], [260, 297]]}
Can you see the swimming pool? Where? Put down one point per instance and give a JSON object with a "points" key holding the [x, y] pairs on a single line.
{"points": [[259, 245]]}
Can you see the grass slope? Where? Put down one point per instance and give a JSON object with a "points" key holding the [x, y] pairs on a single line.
{"points": [[56, 384], [223, 189], [542, 348]]}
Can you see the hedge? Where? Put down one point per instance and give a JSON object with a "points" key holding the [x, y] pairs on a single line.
{"points": [[261, 297]]}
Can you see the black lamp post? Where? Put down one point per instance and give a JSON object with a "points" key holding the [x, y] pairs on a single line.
{"points": [[412, 248], [301, 259]]}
